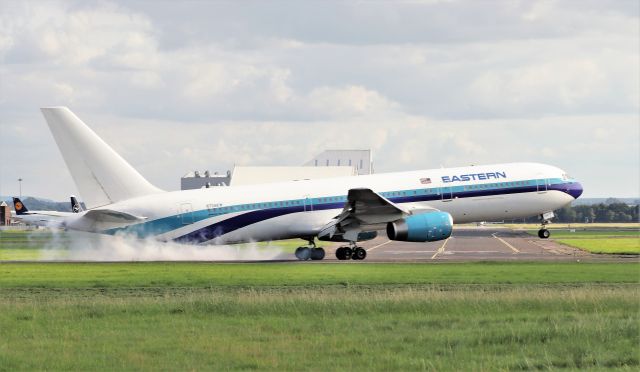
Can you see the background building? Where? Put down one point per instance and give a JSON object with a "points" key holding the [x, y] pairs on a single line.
{"points": [[360, 159], [257, 175], [197, 180], [330, 163], [5, 214]]}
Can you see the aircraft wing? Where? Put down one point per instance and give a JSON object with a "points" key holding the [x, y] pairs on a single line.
{"points": [[108, 215], [365, 210]]}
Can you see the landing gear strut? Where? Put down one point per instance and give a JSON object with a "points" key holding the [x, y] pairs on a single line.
{"points": [[310, 252], [351, 252]]}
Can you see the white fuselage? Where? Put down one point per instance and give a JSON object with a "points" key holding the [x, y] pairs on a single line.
{"points": [[44, 218], [294, 209]]}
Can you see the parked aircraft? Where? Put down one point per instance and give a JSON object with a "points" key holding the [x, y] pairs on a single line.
{"points": [[416, 206], [39, 218]]}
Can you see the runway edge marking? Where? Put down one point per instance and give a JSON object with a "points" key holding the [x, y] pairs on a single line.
{"points": [[440, 250], [514, 249]]}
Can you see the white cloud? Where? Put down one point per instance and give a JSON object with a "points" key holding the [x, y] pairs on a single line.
{"points": [[205, 85]]}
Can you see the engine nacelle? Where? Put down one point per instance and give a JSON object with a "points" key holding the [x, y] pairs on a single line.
{"points": [[424, 227]]}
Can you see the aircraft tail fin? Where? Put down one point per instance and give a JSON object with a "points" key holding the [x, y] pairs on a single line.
{"points": [[75, 205], [19, 206], [101, 175]]}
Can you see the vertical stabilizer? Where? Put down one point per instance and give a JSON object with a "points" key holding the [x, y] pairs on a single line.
{"points": [[101, 175]]}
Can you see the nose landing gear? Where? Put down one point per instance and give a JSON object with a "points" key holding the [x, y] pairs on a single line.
{"points": [[543, 233]]}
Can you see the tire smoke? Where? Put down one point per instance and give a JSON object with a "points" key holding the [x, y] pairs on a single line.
{"points": [[78, 246]]}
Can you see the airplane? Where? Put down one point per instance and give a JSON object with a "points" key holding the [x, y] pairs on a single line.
{"points": [[415, 206], [44, 218]]}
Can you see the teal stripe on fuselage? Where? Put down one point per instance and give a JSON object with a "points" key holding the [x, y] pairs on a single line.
{"points": [[173, 222]]}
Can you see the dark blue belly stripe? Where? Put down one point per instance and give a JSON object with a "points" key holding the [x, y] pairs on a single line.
{"points": [[243, 220]]}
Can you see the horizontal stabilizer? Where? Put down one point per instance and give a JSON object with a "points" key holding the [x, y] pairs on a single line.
{"points": [[107, 215]]}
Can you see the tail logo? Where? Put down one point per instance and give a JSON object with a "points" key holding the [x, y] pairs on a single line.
{"points": [[18, 206], [76, 208]]}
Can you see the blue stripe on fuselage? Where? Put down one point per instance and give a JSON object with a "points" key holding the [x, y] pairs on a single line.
{"points": [[166, 224]]}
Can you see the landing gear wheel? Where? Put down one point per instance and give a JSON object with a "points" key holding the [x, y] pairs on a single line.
{"points": [[317, 254], [303, 253], [344, 253], [359, 254], [544, 234]]}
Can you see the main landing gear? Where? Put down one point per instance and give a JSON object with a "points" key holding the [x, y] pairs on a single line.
{"points": [[310, 252], [351, 252]]}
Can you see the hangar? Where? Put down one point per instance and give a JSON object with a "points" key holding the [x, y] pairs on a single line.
{"points": [[328, 164]]}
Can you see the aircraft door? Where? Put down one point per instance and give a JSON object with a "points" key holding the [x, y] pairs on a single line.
{"points": [[186, 213], [308, 203], [541, 185], [446, 193]]}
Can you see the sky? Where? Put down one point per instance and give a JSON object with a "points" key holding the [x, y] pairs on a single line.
{"points": [[179, 86]]}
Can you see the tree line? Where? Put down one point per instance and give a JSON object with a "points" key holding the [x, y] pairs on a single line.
{"points": [[611, 210]]}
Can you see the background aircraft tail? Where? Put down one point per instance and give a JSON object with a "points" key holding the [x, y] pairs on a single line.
{"points": [[19, 206], [101, 175], [75, 205]]}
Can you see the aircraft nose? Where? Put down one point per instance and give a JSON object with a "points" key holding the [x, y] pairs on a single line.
{"points": [[574, 189]]}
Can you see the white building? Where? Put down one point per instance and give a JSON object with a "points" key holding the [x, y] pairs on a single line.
{"points": [[256, 175], [197, 180], [360, 159], [330, 163]]}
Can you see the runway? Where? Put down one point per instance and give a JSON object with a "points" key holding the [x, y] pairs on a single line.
{"points": [[475, 244]]}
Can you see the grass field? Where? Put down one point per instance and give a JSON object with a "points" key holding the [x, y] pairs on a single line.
{"points": [[613, 225], [304, 316], [188, 316], [177, 274], [609, 241], [604, 241], [610, 246]]}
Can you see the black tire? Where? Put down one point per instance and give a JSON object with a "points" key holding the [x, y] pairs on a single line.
{"points": [[348, 252], [303, 253], [340, 254], [359, 254], [544, 234], [317, 254]]}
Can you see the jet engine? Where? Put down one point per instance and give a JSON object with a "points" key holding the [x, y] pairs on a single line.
{"points": [[424, 227]]}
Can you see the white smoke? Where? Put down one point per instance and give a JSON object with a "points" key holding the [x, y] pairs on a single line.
{"points": [[78, 246]]}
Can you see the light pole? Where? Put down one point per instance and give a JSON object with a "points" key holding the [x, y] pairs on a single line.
{"points": [[20, 183]]}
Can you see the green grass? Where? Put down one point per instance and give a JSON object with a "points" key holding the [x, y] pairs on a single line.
{"points": [[338, 328], [606, 241], [306, 316], [595, 234], [176, 274], [610, 225], [610, 246]]}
